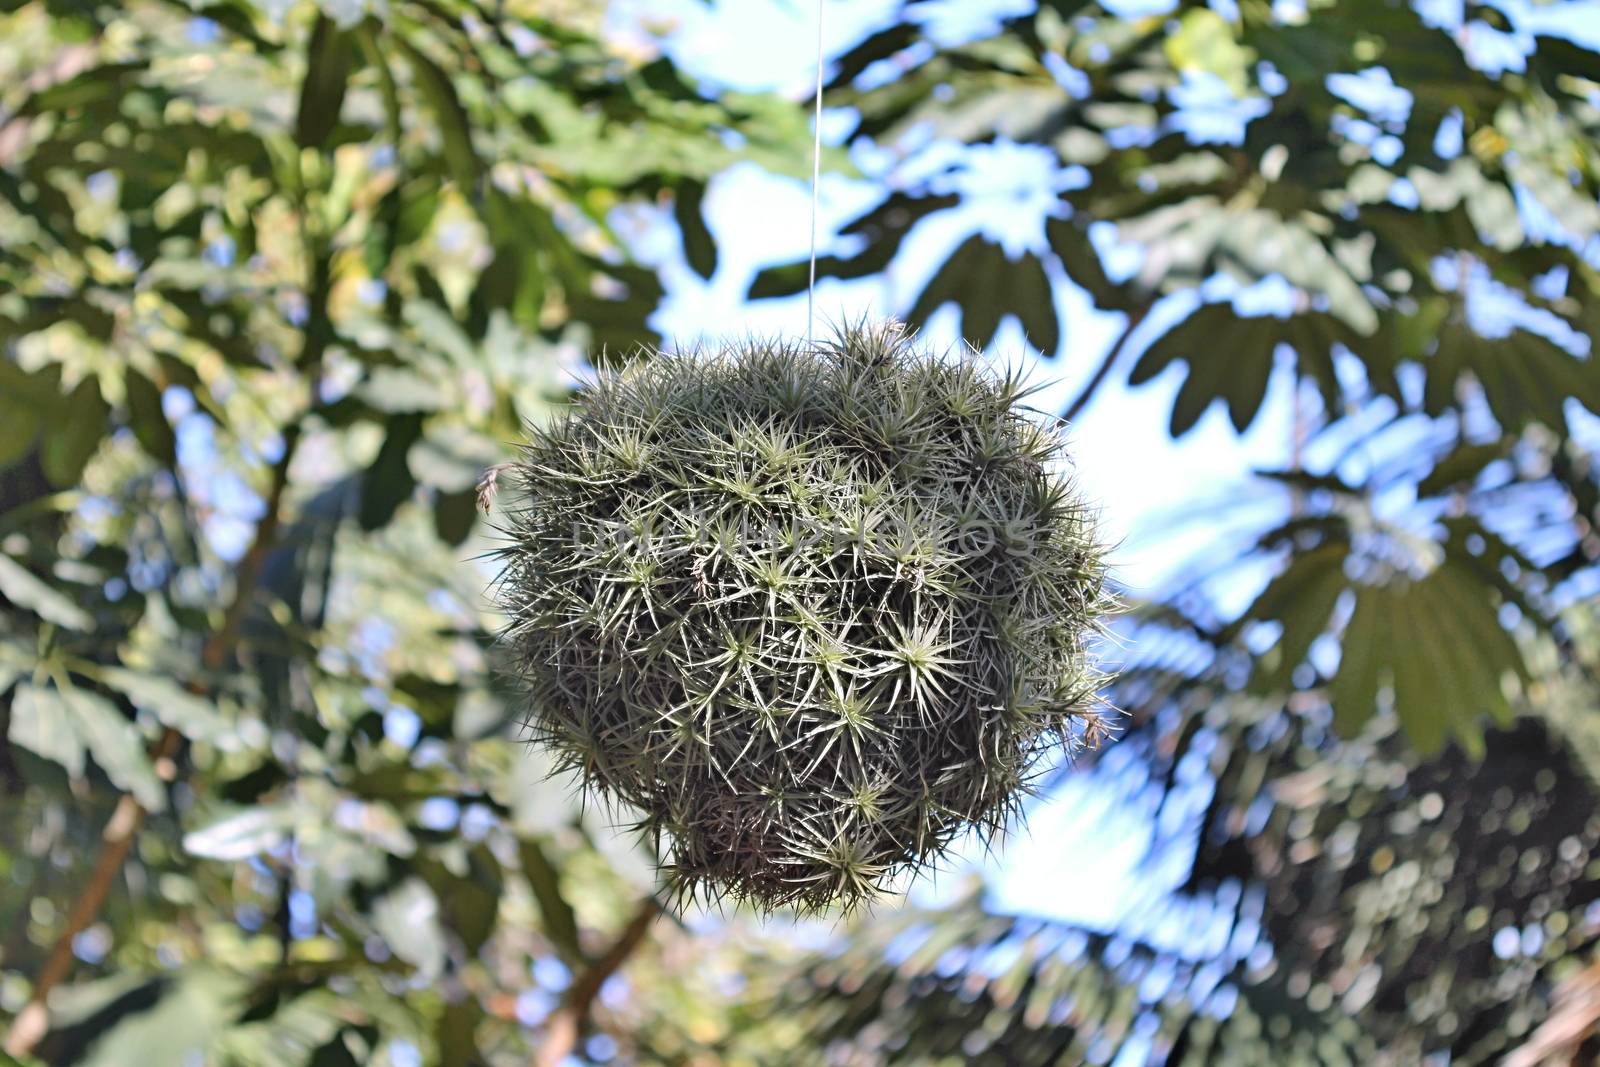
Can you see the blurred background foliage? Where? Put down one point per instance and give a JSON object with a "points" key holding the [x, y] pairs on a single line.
{"points": [[278, 281]]}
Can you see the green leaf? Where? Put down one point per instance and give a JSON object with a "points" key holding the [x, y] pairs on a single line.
{"points": [[1458, 694], [1302, 599], [241, 835], [75, 433], [966, 279], [987, 286], [452, 458], [189, 1014], [618, 324], [1526, 378], [1461, 467], [1069, 239], [881, 231], [456, 1033], [39, 723], [64, 725], [1450, 659], [1205, 41], [1488, 568], [439, 331], [98, 85], [1416, 676], [195, 717], [116, 745], [397, 390], [19, 428], [1353, 690], [1231, 357], [347, 1048], [699, 246], [454, 515], [22, 588], [389, 482], [1494, 653], [407, 918], [557, 917], [451, 120], [147, 420], [469, 904], [1033, 302], [1307, 482], [330, 57], [794, 278], [1241, 381], [1266, 243], [877, 46]]}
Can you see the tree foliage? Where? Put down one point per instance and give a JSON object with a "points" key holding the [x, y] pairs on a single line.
{"points": [[278, 281]]}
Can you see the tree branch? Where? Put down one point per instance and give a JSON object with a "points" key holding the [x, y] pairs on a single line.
{"points": [[1574, 1018], [129, 817], [33, 1022], [566, 1025], [121, 830]]}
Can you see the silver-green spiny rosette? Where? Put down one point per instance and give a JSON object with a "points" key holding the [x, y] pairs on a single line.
{"points": [[811, 610]]}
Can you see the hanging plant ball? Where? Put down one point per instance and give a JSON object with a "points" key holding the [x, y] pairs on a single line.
{"points": [[812, 610]]}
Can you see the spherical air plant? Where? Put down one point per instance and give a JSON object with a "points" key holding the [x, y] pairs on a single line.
{"points": [[812, 610]]}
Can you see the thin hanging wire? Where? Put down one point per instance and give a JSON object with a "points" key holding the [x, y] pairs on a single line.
{"points": [[816, 178]]}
